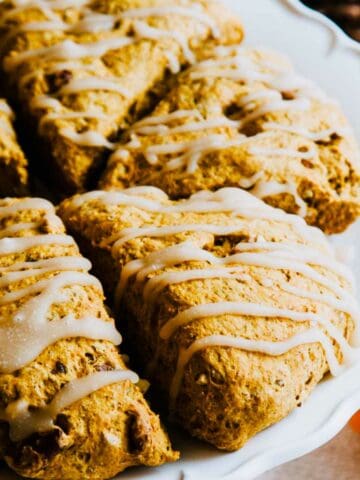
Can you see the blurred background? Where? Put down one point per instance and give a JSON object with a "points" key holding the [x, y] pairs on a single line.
{"points": [[345, 13]]}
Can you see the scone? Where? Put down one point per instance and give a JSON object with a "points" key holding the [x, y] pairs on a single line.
{"points": [[244, 118], [69, 406], [13, 164], [234, 309], [82, 73]]}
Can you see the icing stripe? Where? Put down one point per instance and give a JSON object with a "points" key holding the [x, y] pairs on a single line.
{"points": [[24, 422]]}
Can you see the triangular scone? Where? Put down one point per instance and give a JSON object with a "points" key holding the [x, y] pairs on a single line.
{"points": [[243, 117], [69, 406], [236, 310], [13, 164], [81, 73]]}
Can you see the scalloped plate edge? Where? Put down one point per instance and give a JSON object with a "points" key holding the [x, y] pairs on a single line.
{"points": [[338, 34]]}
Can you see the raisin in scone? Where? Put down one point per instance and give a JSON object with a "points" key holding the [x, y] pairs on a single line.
{"points": [[82, 72], [244, 117], [69, 406], [235, 310], [13, 164]]}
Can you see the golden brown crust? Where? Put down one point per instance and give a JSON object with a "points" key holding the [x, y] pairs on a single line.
{"points": [[13, 164], [141, 68], [99, 435], [227, 395], [327, 181]]}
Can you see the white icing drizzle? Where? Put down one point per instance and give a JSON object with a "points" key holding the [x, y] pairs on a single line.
{"points": [[165, 119], [193, 150], [53, 68], [4, 108], [173, 61], [22, 343], [143, 30], [128, 234], [291, 255], [26, 204], [262, 102], [190, 151], [156, 284], [57, 112], [6, 128], [97, 115], [15, 273], [264, 189], [94, 22], [304, 252], [47, 6], [69, 50], [248, 182], [17, 227], [234, 200], [299, 130], [194, 12], [283, 152], [166, 257], [41, 26], [254, 310], [159, 125], [309, 336], [312, 263], [238, 64], [25, 333], [331, 301], [17, 245], [287, 262], [90, 138], [91, 22], [43, 101], [23, 421], [146, 191]]}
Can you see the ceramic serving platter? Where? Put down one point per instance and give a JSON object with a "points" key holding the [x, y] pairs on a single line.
{"points": [[321, 51]]}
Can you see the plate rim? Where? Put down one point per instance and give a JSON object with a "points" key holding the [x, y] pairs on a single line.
{"points": [[339, 35]]}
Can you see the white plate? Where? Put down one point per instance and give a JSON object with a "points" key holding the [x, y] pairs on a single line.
{"points": [[324, 53]]}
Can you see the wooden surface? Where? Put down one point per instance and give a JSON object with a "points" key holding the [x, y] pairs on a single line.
{"points": [[337, 460]]}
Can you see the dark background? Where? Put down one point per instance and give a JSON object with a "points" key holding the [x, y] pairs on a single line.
{"points": [[344, 13]]}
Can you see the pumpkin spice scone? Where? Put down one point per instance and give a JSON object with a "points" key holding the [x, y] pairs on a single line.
{"points": [[236, 310], [69, 406], [13, 164], [82, 71], [244, 118]]}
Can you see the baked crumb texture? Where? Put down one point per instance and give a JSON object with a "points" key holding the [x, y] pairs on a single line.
{"points": [[13, 164], [244, 117], [233, 309], [81, 72], [69, 406]]}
